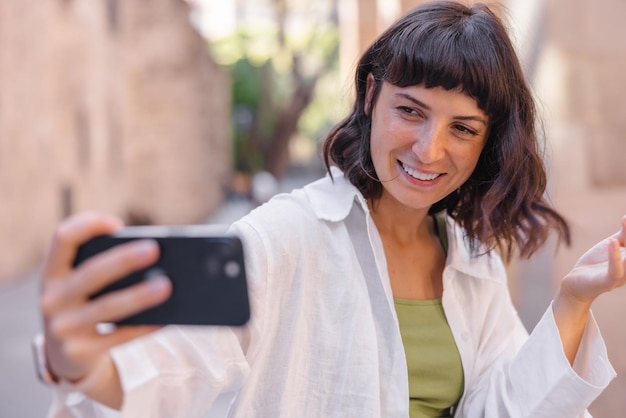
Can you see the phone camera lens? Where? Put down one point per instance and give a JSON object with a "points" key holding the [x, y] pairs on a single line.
{"points": [[232, 269]]}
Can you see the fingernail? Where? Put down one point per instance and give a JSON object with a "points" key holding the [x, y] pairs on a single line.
{"points": [[158, 283], [145, 247]]}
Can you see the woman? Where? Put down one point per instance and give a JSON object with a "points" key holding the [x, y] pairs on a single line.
{"points": [[376, 291]]}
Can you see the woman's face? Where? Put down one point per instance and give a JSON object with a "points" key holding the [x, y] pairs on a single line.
{"points": [[425, 143]]}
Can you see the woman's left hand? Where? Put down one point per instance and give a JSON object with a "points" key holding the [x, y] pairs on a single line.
{"points": [[599, 270]]}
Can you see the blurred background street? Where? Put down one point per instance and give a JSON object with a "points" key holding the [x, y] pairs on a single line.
{"points": [[21, 394]]}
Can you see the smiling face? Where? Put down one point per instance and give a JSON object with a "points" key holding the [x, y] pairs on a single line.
{"points": [[425, 143]]}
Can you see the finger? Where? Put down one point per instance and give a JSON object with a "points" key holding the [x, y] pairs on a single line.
{"points": [[111, 307], [70, 233], [616, 271], [111, 265], [622, 233], [97, 272]]}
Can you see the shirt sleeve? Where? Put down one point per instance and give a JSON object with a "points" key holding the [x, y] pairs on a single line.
{"points": [[545, 375], [180, 371], [175, 372], [67, 402], [538, 381]]}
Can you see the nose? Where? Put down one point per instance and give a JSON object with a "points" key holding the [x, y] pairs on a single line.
{"points": [[429, 145]]}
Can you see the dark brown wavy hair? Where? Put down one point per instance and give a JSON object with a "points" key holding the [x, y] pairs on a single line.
{"points": [[449, 45]]}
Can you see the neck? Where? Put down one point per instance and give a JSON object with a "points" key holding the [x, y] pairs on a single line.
{"points": [[400, 223]]}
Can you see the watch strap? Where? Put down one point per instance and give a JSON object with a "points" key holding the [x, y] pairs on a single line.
{"points": [[41, 361]]}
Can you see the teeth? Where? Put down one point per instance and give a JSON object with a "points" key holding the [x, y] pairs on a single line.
{"points": [[419, 175]]}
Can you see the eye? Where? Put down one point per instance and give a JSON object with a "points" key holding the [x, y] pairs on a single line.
{"points": [[409, 111], [464, 130]]}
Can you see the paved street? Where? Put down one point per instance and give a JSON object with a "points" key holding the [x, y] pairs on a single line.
{"points": [[21, 394]]}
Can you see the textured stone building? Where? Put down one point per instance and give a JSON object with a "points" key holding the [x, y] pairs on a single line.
{"points": [[110, 105]]}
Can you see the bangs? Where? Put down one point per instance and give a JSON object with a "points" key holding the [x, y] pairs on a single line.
{"points": [[454, 54]]}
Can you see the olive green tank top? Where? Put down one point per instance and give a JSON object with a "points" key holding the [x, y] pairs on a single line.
{"points": [[434, 364], [433, 360]]}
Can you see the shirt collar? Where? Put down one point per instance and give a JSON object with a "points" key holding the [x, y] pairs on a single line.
{"points": [[331, 198], [478, 264]]}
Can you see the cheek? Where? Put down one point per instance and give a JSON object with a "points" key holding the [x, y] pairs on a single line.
{"points": [[388, 132], [376, 150], [467, 158], [377, 139], [383, 142], [472, 161]]}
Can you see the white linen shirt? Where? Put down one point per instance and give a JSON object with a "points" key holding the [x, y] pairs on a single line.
{"points": [[311, 348]]}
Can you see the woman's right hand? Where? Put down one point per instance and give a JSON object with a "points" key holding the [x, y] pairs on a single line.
{"points": [[74, 347]]}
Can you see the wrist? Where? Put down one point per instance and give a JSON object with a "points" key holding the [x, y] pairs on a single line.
{"points": [[93, 383], [570, 316], [570, 305], [44, 371]]}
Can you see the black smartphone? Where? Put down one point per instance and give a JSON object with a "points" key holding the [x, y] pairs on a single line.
{"points": [[205, 265]]}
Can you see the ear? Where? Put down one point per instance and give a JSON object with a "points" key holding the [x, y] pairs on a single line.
{"points": [[369, 93]]}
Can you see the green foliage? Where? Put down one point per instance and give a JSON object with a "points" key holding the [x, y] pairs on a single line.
{"points": [[246, 87], [326, 108], [267, 64]]}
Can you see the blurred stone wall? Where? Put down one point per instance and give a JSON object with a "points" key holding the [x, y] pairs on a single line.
{"points": [[113, 105]]}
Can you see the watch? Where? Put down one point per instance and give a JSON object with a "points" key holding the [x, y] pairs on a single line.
{"points": [[41, 361]]}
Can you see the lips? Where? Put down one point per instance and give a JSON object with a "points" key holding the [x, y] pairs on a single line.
{"points": [[416, 174]]}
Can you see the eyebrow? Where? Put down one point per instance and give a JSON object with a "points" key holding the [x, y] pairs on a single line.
{"points": [[425, 106]]}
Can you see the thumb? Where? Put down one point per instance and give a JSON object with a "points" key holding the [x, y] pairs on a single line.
{"points": [[617, 268]]}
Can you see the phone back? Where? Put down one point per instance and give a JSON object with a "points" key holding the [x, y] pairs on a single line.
{"points": [[207, 273]]}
